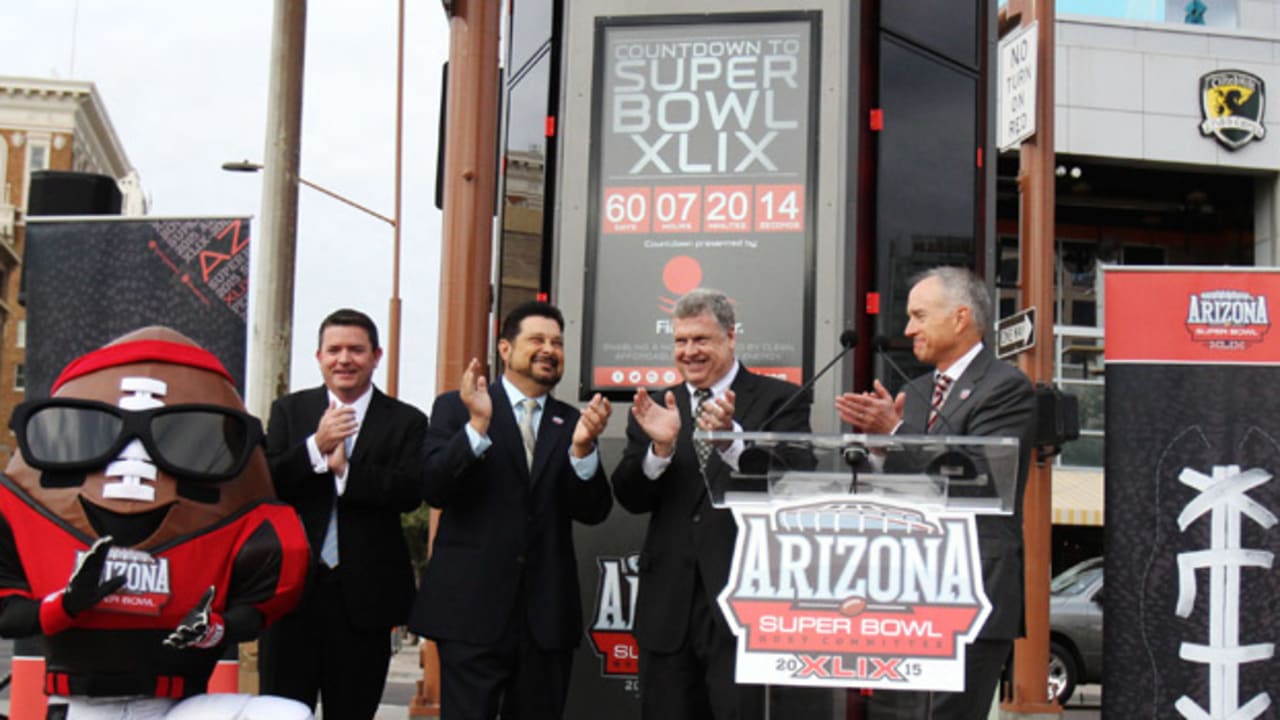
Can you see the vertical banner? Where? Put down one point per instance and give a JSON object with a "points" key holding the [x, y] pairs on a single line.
{"points": [[88, 281], [702, 175], [1192, 495]]}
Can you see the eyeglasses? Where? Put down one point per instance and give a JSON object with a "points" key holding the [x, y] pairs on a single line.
{"points": [[193, 442]]}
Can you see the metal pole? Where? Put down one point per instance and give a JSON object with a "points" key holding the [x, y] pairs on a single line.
{"points": [[393, 311], [1036, 186], [470, 176], [348, 201], [271, 324], [470, 179], [252, 167]]}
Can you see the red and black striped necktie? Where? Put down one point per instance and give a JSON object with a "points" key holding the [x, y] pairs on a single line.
{"points": [[941, 384]]}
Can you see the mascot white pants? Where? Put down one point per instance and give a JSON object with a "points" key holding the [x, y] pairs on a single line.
{"points": [[220, 706]]}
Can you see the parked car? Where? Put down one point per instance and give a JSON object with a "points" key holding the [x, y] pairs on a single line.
{"points": [[1075, 628]]}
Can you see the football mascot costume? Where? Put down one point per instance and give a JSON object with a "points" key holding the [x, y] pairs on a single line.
{"points": [[140, 536]]}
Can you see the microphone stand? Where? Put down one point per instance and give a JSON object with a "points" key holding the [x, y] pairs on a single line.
{"points": [[848, 339], [854, 455]]}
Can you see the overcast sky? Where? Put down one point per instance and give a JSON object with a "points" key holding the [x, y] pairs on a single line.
{"points": [[185, 85]]}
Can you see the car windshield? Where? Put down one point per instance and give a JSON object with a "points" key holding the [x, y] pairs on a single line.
{"points": [[1075, 579]]}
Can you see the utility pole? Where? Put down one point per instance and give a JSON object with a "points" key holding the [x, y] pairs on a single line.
{"points": [[393, 310], [470, 180], [1036, 233], [271, 283], [271, 324]]}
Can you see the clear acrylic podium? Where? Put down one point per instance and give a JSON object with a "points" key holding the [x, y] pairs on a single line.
{"points": [[940, 472], [857, 561]]}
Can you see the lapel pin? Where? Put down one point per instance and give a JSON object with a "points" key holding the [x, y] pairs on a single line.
{"points": [[964, 394], [557, 419]]}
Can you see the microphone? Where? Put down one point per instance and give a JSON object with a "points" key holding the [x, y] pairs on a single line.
{"points": [[882, 345], [848, 341]]}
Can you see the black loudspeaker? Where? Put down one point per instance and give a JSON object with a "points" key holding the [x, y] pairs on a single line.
{"points": [[58, 192], [1057, 416]]}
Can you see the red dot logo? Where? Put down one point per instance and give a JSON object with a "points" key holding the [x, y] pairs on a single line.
{"points": [[681, 274]]}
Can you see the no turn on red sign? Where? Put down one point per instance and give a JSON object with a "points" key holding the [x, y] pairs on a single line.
{"points": [[1016, 93]]}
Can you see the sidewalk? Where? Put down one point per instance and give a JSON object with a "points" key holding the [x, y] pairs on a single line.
{"points": [[402, 679]]}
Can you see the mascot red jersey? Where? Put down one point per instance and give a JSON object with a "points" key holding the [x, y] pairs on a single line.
{"points": [[138, 529]]}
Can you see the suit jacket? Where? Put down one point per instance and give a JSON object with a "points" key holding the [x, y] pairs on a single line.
{"points": [[686, 535], [504, 543], [991, 398], [383, 476]]}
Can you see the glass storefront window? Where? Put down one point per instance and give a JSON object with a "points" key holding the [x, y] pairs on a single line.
{"points": [[1211, 13], [1152, 10], [528, 79], [1079, 372]]}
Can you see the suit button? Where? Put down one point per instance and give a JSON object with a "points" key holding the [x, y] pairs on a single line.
{"points": [[697, 518], [520, 559]]}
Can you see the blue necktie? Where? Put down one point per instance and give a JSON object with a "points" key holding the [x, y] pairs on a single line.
{"points": [[329, 550]]}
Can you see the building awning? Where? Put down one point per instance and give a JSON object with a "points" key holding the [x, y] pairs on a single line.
{"points": [[1077, 497]]}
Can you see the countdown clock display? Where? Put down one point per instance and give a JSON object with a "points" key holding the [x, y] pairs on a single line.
{"points": [[695, 209], [701, 176]]}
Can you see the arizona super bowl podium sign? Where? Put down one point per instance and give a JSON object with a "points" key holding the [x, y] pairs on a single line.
{"points": [[854, 592], [1192, 495]]}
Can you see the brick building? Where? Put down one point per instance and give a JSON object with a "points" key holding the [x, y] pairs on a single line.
{"points": [[44, 125]]}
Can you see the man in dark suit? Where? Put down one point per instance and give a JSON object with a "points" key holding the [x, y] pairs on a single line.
{"points": [[349, 459], [971, 392], [510, 467], [686, 647]]}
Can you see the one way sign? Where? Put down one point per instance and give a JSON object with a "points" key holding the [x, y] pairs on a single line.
{"points": [[1016, 333]]}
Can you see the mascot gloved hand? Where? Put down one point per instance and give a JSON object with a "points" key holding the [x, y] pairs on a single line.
{"points": [[201, 627], [85, 589]]}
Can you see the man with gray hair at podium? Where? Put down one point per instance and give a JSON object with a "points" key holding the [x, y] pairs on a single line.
{"points": [[970, 392], [686, 647]]}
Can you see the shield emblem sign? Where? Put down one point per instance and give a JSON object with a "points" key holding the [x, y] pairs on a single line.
{"points": [[1232, 103]]}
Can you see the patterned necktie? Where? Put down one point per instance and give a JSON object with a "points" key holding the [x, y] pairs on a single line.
{"points": [[701, 447], [526, 428], [941, 384]]}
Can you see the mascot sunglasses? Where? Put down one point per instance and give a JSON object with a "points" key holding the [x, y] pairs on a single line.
{"points": [[208, 443]]}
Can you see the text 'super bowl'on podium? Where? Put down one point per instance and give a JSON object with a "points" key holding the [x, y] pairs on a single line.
{"points": [[857, 560]]}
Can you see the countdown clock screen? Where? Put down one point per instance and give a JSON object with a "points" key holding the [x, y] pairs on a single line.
{"points": [[703, 160]]}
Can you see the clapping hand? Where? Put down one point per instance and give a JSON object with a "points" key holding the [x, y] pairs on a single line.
{"points": [[592, 422], [200, 627], [717, 414], [85, 589], [871, 412], [474, 392], [660, 422]]}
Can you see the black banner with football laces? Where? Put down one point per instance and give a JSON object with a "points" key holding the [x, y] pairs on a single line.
{"points": [[1192, 495]]}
